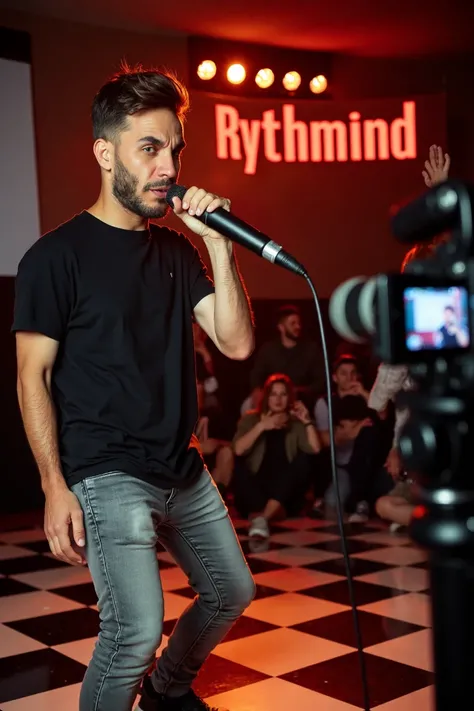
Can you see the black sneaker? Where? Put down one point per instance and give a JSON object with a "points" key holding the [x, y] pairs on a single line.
{"points": [[151, 700]]}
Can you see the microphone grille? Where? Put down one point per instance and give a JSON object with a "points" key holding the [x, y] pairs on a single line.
{"points": [[175, 191]]}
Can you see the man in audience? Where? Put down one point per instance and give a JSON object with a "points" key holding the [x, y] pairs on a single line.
{"points": [[358, 438], [397, 506], [290, 354]]}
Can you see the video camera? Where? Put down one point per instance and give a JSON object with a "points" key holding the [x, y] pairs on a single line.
{"points": [[423, 315], [424, 319]]}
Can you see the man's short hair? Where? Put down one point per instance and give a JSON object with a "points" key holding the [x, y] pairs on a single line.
{"points": [[287, 310], [345, 359], [449, 308], [131, 91]]}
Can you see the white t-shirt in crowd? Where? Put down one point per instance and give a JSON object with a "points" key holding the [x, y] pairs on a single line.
{"points": [[321, 418]]}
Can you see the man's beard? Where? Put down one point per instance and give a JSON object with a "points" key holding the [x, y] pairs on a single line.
{"points": [[124, 188], [291, 336]]}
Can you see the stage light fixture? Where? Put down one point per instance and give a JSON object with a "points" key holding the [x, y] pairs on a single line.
{"points": [[318, 84], [236, 73], [207, 70], [291, 81], [264, 78]]}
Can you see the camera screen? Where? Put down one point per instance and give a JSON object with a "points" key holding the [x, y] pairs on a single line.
{"points": [[436, 318]]}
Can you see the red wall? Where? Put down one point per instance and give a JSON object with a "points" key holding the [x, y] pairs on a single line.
{"points": [[332, 215], [70, 61]]}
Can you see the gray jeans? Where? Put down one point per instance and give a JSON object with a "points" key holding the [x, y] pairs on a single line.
{"points": [[124, 518]]}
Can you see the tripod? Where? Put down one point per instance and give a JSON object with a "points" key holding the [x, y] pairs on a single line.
{"points": [[443, 523]]}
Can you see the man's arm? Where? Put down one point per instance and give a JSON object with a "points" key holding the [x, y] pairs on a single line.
{"points": [[342, 435], [36, 355], [225, 316], [462, 338], [321, 417], [389, 381], [436, 167]]}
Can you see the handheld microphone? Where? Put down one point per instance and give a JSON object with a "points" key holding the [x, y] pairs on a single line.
{"points": [[244, 234]]}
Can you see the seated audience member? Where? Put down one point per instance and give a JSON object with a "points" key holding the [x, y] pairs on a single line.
{"points": [[291, 355], [359, 440], [364, 356], [272, 467], [397, 506]]}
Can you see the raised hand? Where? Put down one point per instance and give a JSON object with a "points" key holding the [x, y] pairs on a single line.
{"points": [[437, 167], [358, 389], [274, 421], [300, 411], [195, 202]]}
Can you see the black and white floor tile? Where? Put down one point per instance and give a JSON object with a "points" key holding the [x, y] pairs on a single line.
{"points": [[293, 649]]}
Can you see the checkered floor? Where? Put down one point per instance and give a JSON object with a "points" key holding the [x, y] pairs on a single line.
{"points": [[293, 649]]}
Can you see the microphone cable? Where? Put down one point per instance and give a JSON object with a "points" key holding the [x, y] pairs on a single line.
{"points": [[250, 238], [339, 510]]}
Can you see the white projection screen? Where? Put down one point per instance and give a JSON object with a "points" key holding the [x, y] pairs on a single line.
{"points": [[19, 211]]}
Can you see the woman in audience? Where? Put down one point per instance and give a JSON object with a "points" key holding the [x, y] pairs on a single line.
{"points": [[272, 445]]}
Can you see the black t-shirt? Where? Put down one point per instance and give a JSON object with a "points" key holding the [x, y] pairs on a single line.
{"points": [[120, 303], [275, 456], [449, 339]]}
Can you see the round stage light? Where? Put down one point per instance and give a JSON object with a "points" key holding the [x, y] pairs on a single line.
{"points": [[291, 81], [207, 70], [264, 78], [318, 84], [236, 73]]}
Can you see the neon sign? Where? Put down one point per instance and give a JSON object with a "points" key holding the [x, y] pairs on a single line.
{"points": [[289, 140]]}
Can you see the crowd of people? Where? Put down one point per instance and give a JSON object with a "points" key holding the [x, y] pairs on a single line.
{"points": [[277, 463]]}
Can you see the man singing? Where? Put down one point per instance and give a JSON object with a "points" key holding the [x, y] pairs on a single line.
{"points": [[106, 385], [451, 335]]}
